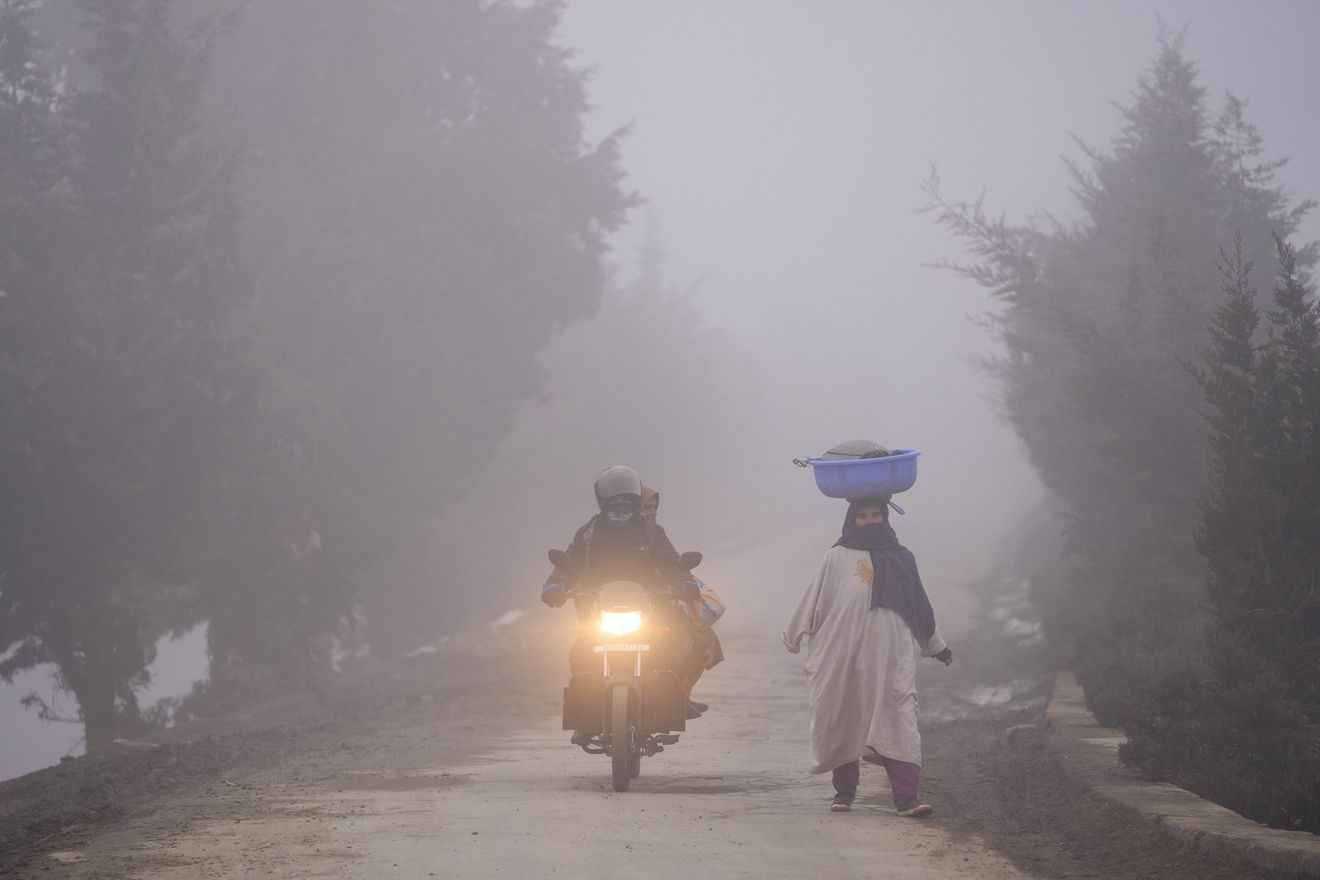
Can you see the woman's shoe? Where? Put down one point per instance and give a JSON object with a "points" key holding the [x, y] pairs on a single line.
{"points": [[914, 808], [842, 802]]}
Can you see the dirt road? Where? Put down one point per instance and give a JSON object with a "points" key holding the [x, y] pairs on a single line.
{"points": [[452, 764], [432, 796]]}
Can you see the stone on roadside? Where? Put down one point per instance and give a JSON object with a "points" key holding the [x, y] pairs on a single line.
{"points": [[1022, 736]]}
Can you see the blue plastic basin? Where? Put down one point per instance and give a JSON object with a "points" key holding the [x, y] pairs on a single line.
{"points": [[866, 477]]}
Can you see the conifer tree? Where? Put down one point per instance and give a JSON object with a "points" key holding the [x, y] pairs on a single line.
{"points": [[1237, 427], [1278, 610], [419, 228], [1251, 739], [30, 233], [131, 369], [1100, 319]]}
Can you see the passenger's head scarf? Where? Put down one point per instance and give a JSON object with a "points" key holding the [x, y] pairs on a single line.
{"points": [[895, 583], [649, 495]]}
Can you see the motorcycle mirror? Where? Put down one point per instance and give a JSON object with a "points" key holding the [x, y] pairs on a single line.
{"points": [[559, 559], [691, 559]]}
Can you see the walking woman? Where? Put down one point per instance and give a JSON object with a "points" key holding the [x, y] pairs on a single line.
{"points": [[867, 618]]}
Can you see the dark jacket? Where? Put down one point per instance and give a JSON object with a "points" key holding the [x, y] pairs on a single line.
{"points": [[637, 550]]}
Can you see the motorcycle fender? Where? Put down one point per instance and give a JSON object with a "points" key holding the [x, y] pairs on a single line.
{"points": [[634, 695]]}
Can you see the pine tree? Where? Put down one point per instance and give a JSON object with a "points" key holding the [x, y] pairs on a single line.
{"points": [[419, 227], [1263, 506], [1189, 607], [1285, 615], [1233, 499], [422, 213], [1100, 319], [31, 230], [132, 370], [31, 146], [1252, 739]]}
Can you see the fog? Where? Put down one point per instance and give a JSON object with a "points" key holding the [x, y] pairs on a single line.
{"points": [[781, 147], [772, 296]]}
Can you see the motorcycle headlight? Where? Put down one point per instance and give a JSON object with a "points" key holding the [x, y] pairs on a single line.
{"points": [[620, 623]]}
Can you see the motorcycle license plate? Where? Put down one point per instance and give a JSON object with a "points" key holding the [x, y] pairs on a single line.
{"points": [[605, 649]]}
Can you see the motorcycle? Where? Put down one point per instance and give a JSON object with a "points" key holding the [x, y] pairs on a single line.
{"points": [[632, 704]]}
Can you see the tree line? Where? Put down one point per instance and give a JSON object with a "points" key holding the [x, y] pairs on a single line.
{"points": [[272, 285], [1176, 418]]}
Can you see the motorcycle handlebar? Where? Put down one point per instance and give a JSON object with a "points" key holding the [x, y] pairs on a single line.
{"points": [[665, 592]]}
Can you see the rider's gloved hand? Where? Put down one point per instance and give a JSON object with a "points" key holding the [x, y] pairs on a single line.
{"points": [[945, 656], [554, 594], [687, 590]]}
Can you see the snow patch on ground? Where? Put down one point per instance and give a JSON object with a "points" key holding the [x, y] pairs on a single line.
{"points": [[509, 618]]}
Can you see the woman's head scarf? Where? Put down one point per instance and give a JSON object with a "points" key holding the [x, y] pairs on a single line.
{"points": [[895, 583]]}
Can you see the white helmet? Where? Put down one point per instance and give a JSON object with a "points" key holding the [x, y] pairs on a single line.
{"points": [[618, 482]]}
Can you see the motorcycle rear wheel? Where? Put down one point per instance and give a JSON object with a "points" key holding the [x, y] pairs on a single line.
{"points": [[623, 741]]}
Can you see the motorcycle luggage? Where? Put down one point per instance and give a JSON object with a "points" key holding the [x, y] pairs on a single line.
{"points": [[664, 706], [707, 610]]}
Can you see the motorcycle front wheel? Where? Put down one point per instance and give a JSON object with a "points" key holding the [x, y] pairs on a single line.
{"points": [[623, 741]]}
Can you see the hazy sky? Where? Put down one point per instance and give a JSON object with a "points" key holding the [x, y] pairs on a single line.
{"points": [[760, 124], [782, 146]]}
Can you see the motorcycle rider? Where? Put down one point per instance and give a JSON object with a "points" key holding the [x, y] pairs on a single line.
{"points": [[618, 543]]}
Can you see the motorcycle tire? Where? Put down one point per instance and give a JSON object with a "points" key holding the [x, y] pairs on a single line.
{"points": [[622, 739]]}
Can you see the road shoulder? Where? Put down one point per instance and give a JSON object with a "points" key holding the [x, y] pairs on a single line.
{"points": [[1090, 757], [116, 813]]}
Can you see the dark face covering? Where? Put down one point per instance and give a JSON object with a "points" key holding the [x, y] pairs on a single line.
{"points": [[622, 521], [895, 583], [622, 509]]}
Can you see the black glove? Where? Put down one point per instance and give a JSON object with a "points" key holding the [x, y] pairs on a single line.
{"points": [[945, 656], [554, 594]]}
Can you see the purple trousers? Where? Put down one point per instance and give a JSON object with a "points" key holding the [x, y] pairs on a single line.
{"points": [[904, 778]]}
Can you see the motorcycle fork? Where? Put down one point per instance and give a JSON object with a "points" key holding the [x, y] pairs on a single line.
{"points": [[637, 667], [633, 682]]}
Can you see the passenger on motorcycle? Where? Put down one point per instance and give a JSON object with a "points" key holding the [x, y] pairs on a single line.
{"points": [[714, 650], [616, 544]]}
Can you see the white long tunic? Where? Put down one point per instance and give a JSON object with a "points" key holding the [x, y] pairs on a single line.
{"points": [[861, 666]]}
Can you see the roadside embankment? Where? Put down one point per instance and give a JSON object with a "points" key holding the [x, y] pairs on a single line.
{"points": [[1090, 758]]}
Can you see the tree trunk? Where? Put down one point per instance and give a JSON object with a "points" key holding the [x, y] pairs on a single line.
{"points": [[97, 702]]}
